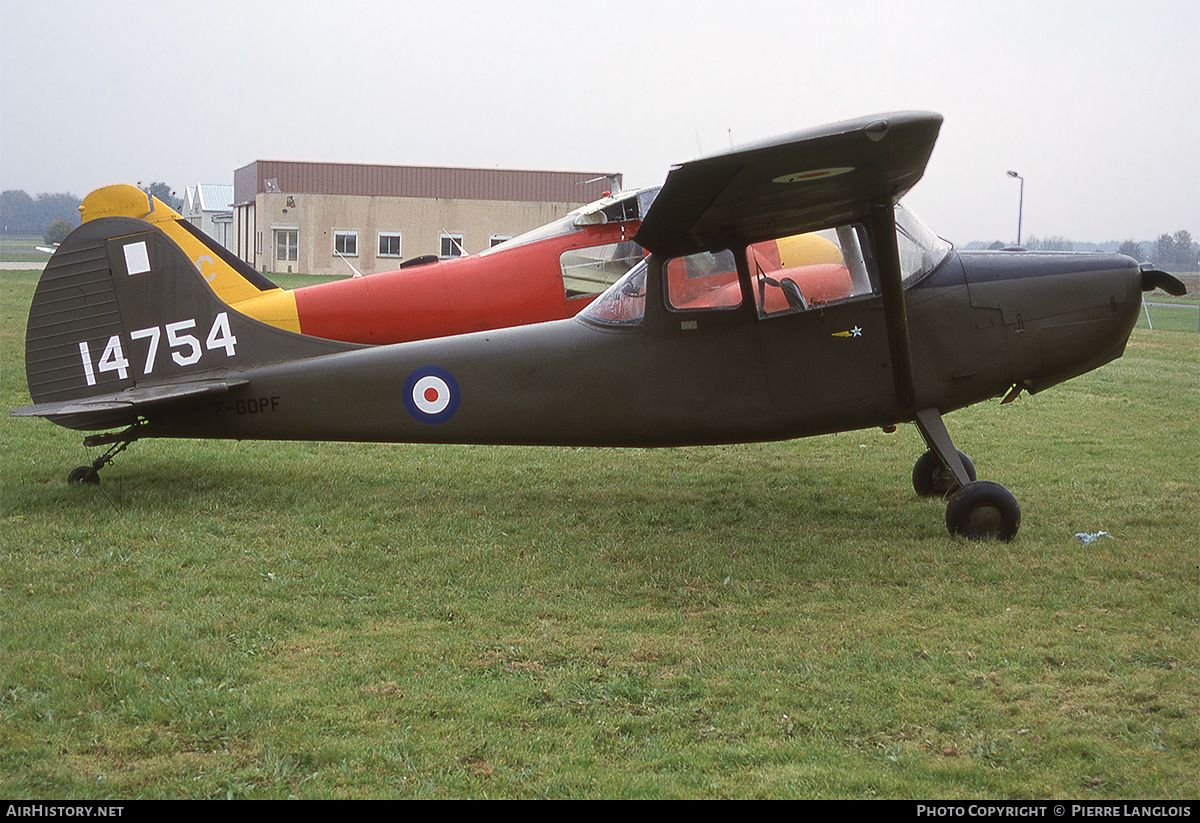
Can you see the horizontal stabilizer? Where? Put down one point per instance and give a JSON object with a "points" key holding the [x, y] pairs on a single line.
{"points": [[808, 180], [132, 400]]}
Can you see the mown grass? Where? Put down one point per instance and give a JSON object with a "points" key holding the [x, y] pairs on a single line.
{"points": [[775, 620]]}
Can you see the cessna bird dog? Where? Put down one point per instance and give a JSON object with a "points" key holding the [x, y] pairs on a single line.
{"points": [[786, 293]]}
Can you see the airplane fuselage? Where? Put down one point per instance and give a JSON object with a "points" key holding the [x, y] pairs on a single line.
{"points": [[980, 324]]}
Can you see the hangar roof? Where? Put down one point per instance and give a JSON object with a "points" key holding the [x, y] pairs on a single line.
{"points": [[290, 177]]}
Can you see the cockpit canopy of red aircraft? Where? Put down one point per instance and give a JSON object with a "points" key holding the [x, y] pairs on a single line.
{"points": [[592, 269]]}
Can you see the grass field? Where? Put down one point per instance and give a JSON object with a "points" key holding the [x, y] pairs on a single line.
{"points": [[782, 620], [21, 248]]}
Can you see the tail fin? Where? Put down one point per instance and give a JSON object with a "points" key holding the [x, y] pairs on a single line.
{"points": [[234, 281], [121, 320]]}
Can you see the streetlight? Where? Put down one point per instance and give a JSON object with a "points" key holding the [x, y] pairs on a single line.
{"points": [[1020, 203]]}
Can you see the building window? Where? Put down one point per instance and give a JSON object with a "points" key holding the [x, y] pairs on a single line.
{"points": [[497, 239], [452, 246], [345, 243], [389, 244], [287, 245]]}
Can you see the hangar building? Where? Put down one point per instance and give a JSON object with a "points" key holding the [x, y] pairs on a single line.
{"points": [[208, 207], [336, 218]]}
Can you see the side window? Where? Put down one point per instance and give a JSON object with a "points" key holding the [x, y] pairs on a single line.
{"points": [[702, 282], [451, 245], [592, 270], [808, 271], [389, 243]]}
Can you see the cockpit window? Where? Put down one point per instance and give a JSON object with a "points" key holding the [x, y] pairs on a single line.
{"points": [[808, 271], [703, 281], [593, 269], [789, 275], [821, 268], [630, 205], [559, 227], [624, 303]]}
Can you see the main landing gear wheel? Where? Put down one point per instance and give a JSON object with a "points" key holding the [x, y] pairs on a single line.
{"points": [[84, 474], [931, 478], [983, 511]]}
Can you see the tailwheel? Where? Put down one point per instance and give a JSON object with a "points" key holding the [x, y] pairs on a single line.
{"points": [[983, 510], [932, 478]]}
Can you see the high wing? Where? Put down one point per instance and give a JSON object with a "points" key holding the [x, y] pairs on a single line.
{"points": [[790, 185]]}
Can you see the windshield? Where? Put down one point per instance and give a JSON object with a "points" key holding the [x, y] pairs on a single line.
{"points": [[921, 251], [564, 225], [624, 303]]}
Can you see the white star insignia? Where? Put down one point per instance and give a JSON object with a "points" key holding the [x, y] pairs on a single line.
{"points": [[856, 332]]}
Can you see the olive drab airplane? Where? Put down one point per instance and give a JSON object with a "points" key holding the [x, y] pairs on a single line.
{"points": [[546, 274], [785, 293]]}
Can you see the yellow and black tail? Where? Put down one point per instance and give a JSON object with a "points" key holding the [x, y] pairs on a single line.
{"points": [[234, 281], [122, 323]]}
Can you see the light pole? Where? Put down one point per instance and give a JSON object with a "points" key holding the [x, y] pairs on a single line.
{"points": [[1020, 204]]}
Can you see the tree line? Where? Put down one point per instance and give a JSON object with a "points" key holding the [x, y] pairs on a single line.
{"points": [[22, 214], [1177, 252], [53, 216], [1172, 252]]}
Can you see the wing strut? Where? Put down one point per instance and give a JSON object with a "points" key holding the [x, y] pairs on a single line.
{"points": [[883, 229]]}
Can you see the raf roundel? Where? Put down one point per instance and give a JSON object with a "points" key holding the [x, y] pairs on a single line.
{"points": [[431, 394]]}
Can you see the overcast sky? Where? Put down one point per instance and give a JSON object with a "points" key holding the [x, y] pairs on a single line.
{"points": [[1095, 102]]}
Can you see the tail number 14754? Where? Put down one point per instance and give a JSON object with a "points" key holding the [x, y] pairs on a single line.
{"points": [[186, 349]]}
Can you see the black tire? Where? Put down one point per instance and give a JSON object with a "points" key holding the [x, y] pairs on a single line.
{"points": [[84, 474], [932, 479], [983, 511]]}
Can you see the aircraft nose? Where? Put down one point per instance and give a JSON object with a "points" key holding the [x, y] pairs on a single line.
{"points": [[1062, 314]]}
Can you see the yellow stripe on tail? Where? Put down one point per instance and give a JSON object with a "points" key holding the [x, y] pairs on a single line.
{"points": [[275, 306]]}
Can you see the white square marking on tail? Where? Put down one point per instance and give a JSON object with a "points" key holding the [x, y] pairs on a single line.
{"points": [[137, 258]]}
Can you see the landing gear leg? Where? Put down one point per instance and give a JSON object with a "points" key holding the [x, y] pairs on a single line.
{"points": [[931, 477], [119, 440], [954, 471], [980, 510]]}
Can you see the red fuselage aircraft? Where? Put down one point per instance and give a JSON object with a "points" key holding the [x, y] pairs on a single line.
{"points": [[550, 273]]}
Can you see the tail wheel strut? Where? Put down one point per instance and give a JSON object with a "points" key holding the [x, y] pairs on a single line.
{"points": [[119, 442]]}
